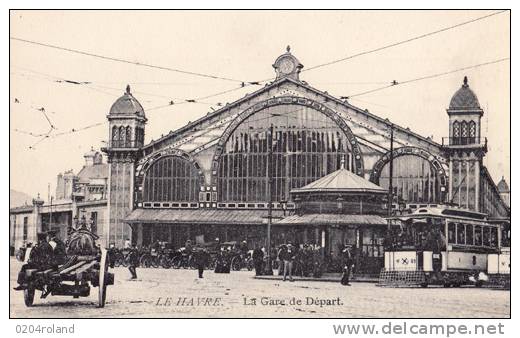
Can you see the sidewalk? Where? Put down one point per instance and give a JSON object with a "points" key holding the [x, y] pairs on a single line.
{"points": [[327, 277]]}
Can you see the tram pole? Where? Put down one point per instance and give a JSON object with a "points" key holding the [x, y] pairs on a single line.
{"points": [[391, 171], [268, 267]]}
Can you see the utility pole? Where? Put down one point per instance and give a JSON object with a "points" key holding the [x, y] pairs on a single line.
{"points": [[268, 267], [391, 171], [50, 205]]}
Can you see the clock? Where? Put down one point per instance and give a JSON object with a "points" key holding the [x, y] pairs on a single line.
{"points": [[286, 66]]}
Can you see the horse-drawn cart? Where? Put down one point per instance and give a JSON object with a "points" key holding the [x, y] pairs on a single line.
{"points": [[85, 266]]}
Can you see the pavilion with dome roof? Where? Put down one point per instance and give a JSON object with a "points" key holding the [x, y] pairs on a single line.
{"points": [[339, 209]]}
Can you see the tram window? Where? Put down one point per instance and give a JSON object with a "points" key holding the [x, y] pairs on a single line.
{"points": [[478, 235], [469, 234], [461, 234], [486, 240], [451, 233], [493, 237]]}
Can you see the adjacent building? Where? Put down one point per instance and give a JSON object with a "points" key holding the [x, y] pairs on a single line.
{"points": [[76, 196]]}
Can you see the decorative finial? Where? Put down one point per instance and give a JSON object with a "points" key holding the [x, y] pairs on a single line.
{"points": [[465, 80], [288, 49], [128, 89]]}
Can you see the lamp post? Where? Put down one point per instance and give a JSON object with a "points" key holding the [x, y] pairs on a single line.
{"points": [[268, 267], [391, 172]]}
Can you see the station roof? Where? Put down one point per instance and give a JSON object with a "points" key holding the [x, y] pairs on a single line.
{"points": [[201, 216], [333, 219]]}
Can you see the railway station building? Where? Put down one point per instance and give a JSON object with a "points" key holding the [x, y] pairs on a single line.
{"points": [[323, 162], [215, 176]]}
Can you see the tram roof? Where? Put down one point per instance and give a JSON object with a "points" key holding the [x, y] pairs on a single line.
{"points": [[445, 212]]}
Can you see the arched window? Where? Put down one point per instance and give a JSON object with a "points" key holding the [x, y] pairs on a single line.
{"points": [[115, 136], [129, 141], [414, 180], [464, 133], [122, 136], [456, 129], [472, 131], [171, 179], [307, 145]]}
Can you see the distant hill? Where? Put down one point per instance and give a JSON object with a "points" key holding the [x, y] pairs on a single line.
{"points": [[17, 198]]}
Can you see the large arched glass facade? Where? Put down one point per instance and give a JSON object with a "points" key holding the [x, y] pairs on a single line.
{"points": [[171, 179], [415, 180], [307, 145]]}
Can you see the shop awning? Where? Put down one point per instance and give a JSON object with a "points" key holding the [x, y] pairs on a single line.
{"points": [[332, 219], [201, 216]]}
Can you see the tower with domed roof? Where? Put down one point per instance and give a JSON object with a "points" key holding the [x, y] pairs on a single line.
{"points": [[126, 137], [505, 192], [465, 148]]}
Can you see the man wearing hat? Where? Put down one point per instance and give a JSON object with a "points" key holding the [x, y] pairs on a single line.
{"points": [[348, 261], [40, 259], [58, 247], [201, 258], [133, 261], [288, 258]]}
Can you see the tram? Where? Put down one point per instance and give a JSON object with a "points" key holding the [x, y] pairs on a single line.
{"points": [[440, 245]]}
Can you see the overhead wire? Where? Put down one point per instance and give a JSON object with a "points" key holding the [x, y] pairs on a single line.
{"points": [[394, 44], [395, 83], [121, 60]]}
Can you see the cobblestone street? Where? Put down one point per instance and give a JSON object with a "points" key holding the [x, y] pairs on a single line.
{"points": [[178, 293]]}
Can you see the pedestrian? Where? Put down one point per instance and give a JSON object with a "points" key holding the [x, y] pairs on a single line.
{"points": [[288, 259], [133, 261], [127, 244], [201, 258], [258, 260], [348, 262]]}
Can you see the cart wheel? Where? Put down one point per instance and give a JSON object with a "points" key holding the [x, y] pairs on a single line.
{"points": [[103, 268], [28, 296]]}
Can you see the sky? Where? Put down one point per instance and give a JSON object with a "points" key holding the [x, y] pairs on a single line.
{"points": [[240, 46]]}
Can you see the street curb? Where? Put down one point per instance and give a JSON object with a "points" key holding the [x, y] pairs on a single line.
{"points": [[323, 279]]}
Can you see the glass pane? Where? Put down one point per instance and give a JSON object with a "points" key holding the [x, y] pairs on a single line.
{"points": [[461, 234], [170, 179], [469, 234], [486, 240], [304, 142], [414, 179], [451, 233], [478, 235]]}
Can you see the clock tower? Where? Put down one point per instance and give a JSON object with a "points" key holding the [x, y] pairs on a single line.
{"points": [[286, 65]]}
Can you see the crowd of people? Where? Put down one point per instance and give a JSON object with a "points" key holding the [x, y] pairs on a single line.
{"points": [[430, 239], [303, 260]]}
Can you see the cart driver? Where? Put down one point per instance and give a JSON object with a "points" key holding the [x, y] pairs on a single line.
{"points": [[59, 252], [40, 259]]}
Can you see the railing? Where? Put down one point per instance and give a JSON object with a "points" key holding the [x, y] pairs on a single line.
{"points": [[463, 141], [126, 143]]}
